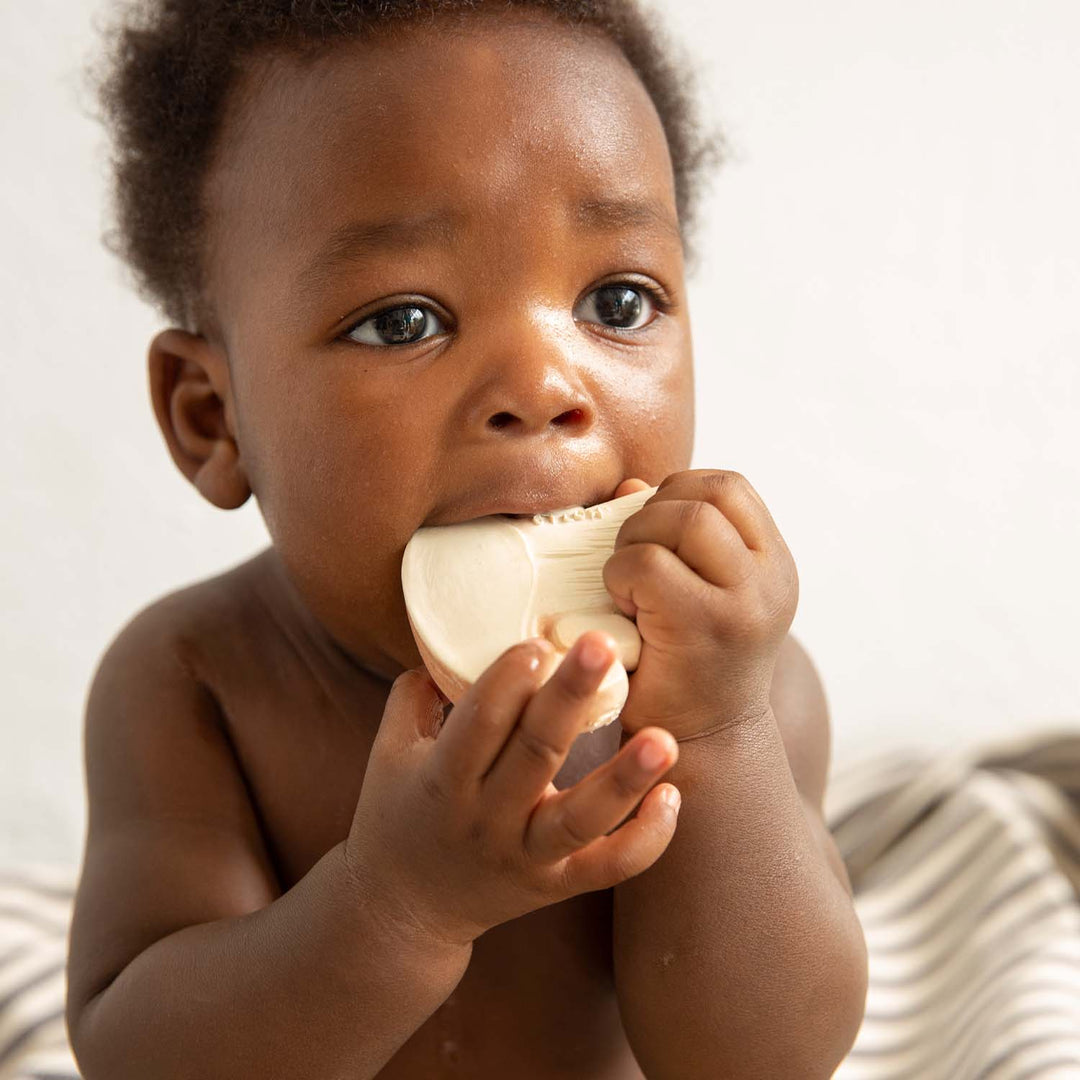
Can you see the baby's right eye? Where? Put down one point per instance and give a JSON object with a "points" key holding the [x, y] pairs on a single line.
{"points": [[402, 325]]}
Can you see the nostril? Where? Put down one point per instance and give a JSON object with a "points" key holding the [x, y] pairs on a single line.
{"points": [[504, 419], [571, 416]]}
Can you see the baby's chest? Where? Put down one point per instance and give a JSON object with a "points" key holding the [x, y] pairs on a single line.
{"points": [[537, 1000]]}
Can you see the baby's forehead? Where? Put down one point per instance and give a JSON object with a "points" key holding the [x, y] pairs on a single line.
{"points": [[388, 123]]}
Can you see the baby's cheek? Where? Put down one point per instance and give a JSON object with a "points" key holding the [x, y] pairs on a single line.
{"points": [[655, 417]]}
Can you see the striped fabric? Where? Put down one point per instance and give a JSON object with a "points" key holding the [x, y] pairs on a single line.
{"points": [[35, 910], [966, 870], [966, 873]]}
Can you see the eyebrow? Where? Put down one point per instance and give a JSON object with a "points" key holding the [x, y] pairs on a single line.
{"points": [[356, 240], [608, 215]]}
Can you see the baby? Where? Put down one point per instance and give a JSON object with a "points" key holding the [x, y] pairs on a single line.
{"points": [[425, 262]]}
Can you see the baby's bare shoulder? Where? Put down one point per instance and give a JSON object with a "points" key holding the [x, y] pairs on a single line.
{"points": [[191, 623], [151, 692], [172, 838]]}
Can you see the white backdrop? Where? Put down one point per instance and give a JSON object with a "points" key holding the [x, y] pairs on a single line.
{"points": [[887, 345]]}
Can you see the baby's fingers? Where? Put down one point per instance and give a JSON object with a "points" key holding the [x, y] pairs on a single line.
{"points": [[632, 848], [566, 822], [481, 722], [559, 711]]}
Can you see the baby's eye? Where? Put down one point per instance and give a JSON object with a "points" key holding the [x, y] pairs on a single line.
{"points": [[403, 325], [620, 306]]}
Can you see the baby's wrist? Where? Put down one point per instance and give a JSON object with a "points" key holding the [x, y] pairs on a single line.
{"points": [[389, 915], [726, 726]]}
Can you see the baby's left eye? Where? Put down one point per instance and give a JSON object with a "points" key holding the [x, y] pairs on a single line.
{"points": [[621, 307]]}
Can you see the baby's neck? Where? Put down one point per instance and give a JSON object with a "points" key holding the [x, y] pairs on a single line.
{"points": [[342, 674]]}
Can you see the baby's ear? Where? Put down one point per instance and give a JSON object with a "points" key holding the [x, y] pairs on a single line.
{"points": [[193, 402]]}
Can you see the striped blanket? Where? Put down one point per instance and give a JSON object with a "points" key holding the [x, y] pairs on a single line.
{"points": [[35, 910], [966, 871]]}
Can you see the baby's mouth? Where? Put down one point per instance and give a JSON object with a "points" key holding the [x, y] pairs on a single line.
{"points": [[512, 508]]}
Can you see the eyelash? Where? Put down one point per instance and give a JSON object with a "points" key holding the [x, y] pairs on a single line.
{"points": [[659, 301]]}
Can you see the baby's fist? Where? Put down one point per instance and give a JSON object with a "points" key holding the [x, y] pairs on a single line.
{"points": [[705, 572]]}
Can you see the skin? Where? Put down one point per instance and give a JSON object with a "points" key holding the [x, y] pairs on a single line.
{"points": [[520, 397]]}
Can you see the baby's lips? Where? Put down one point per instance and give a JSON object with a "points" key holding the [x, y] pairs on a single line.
{"points": [[628, 487]]}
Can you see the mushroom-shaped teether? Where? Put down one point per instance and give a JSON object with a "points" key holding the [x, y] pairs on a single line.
{"points": [[474, 589]]}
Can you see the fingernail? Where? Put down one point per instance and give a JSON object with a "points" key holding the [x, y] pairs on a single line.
{"points": [[652, 755], [672, 798], [594, 656]]}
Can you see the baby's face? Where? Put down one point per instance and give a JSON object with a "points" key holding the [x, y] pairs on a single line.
{"points": [[449, 281]]}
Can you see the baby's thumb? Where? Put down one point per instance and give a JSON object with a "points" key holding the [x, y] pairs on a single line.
{"points": [[414, 709]]}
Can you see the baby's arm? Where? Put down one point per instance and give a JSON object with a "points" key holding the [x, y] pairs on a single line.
{"points": [[184, 958]]}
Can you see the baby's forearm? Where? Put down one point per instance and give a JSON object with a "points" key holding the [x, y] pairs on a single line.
{"points": [[315, 984], [739, 953]]}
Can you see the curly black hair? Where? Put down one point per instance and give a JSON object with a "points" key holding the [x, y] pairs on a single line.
{"points": [[168, 66]]}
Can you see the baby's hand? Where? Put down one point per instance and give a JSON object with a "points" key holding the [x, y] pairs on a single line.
{"points": [[705, 573], [461, 829]]}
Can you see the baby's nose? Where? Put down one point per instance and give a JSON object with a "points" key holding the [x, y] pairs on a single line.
{"points": [[573, 419], [527, 372], [531, 389]]}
